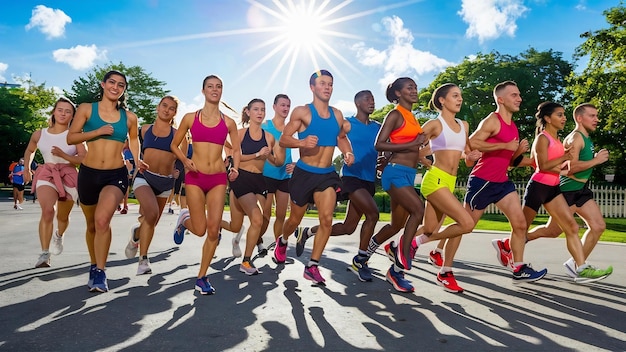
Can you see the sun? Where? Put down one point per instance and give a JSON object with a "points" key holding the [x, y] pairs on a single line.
{"points": [[303, 28]]}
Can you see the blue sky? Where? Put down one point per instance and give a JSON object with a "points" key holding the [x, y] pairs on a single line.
{"points": [[261, 48]]}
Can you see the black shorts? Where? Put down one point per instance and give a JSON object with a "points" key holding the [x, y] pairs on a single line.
{"points": [[538, 193], [91, 181], [274, 185], [481, 193], [18, 186], [249, 182], [579, 197], [351, 184], [303, 184]]}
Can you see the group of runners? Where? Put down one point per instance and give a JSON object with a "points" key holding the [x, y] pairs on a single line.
{"points": [[259, 172]]}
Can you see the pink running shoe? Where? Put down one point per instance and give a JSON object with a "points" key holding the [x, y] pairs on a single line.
{"points": [[502, 254], [313, 273], [280, 251]]}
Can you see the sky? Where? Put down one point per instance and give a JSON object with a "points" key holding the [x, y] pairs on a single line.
{"points": [[261, 48]]}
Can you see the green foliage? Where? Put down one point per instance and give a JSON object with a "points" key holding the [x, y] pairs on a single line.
{"points": [[22, 111], [143, 94], [603, 83]]}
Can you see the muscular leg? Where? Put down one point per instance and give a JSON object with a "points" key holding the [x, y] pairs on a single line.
{"points": [[48, 197], [325, 202], [512, 209], [214, 210], [109, 198], [559, 210], [250, 204]]}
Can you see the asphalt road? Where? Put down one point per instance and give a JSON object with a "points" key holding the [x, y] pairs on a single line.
{"points": [[51, 309]]}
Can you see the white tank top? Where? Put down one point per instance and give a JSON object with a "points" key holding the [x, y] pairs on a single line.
{"points": [[48, 140], [448, 139]]}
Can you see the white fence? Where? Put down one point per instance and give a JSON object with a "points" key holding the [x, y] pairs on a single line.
{"points": [[611, 199]]}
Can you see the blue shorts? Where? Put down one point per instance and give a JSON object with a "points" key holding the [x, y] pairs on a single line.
{"points": [[398, 175], [481, 193]]}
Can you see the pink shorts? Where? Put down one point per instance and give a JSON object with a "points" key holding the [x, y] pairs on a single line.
{"points": [[206, 182]]}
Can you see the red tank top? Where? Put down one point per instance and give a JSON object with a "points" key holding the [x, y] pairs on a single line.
{"points": [[492, 166]]}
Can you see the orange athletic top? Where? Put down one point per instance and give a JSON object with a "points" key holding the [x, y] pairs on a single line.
{"points": [[409, 129]]}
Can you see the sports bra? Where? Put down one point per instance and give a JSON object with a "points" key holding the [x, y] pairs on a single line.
{"points": [[154, 142], [448, 139], [326, 129], [408, 131], [201, 133], [120, 127], [555, 150], [250, 146], [48, 140]]}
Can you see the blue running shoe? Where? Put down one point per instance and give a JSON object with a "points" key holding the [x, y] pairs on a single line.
{"points": [[360, 268], [179, 233], [92, 274], [525, 273], [204, 286], [99, 281], [397, 280], [302, 234]]}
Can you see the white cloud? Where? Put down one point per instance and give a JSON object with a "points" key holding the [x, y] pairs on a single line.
{"points": [[400, 58], [3, 69], [80, 57], [346, 107], [489, 19], [50, 22]]}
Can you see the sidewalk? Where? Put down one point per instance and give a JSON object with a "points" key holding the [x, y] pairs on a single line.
{"points": [[51, 309]]}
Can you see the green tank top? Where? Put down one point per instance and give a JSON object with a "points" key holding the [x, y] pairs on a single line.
{"points": [[586, 154]]}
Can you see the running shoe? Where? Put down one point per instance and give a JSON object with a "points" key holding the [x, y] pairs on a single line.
{"points": [[204, 286], [570, 268], [56, 246], [502, 254], [132, 246], [124, 210], [92, 274], [435, 259], [262, 251], [361, 269], [179, 233], [587, 273], [448, 282], [403, 261], [236, 249], [313, 273], [43, 261], [99, 281], [18, 207], [170, 211], [390, 250], [247, 268], [525, 273], [302, 234], [144, 267], [397, 280], [280, 251]]}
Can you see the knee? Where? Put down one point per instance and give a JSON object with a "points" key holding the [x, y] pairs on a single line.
{"points": [[47, 214], [372, 216], [597, 227], [102, 224], [572, 228], [466, 224], [256, 221]]}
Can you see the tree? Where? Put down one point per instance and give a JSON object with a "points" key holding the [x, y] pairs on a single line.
{"points": [[603, 83], [540, 76], [22, 111], [143, 94]]}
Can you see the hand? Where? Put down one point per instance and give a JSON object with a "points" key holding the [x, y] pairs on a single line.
{"points": [[232, 175], [602, 156], [142, 166], [105, 130], [310, 142], [189, 165], [568, 154], [565, 167], [176, 173], [264, 153], [512, 145], [27, 177], [474, 155], [523, 146], [348, 158], [289, 168], [56, 151]]}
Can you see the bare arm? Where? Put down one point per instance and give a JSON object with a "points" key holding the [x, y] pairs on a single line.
{"points": [[392, 121], [31, 148], [576, 144], [76, 134], [133, 140], [488, 127]]}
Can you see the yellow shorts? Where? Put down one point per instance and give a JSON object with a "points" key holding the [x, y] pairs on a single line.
{"points": [[435, 179]]}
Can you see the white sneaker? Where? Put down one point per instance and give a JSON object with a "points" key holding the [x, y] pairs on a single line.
{"points": [[132, 246], [570, 268], [144, 267], [43, 261], [18, 207], [56, 245], [236, 250]]}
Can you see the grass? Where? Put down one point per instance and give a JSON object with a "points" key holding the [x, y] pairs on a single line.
{"points": [[615, 227]]}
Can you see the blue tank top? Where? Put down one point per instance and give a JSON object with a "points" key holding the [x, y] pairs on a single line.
{"points": [[362, 137], [250, 146], [160, 143], [269, 169], [120, 128], [326, 129]]}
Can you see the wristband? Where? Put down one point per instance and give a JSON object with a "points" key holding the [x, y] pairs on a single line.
{"points": [[256, 155], [350, 153], [518, 160]]}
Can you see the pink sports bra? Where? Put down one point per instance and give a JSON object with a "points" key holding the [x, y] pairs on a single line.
{"points": [[201, 133], [555, 150]]}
